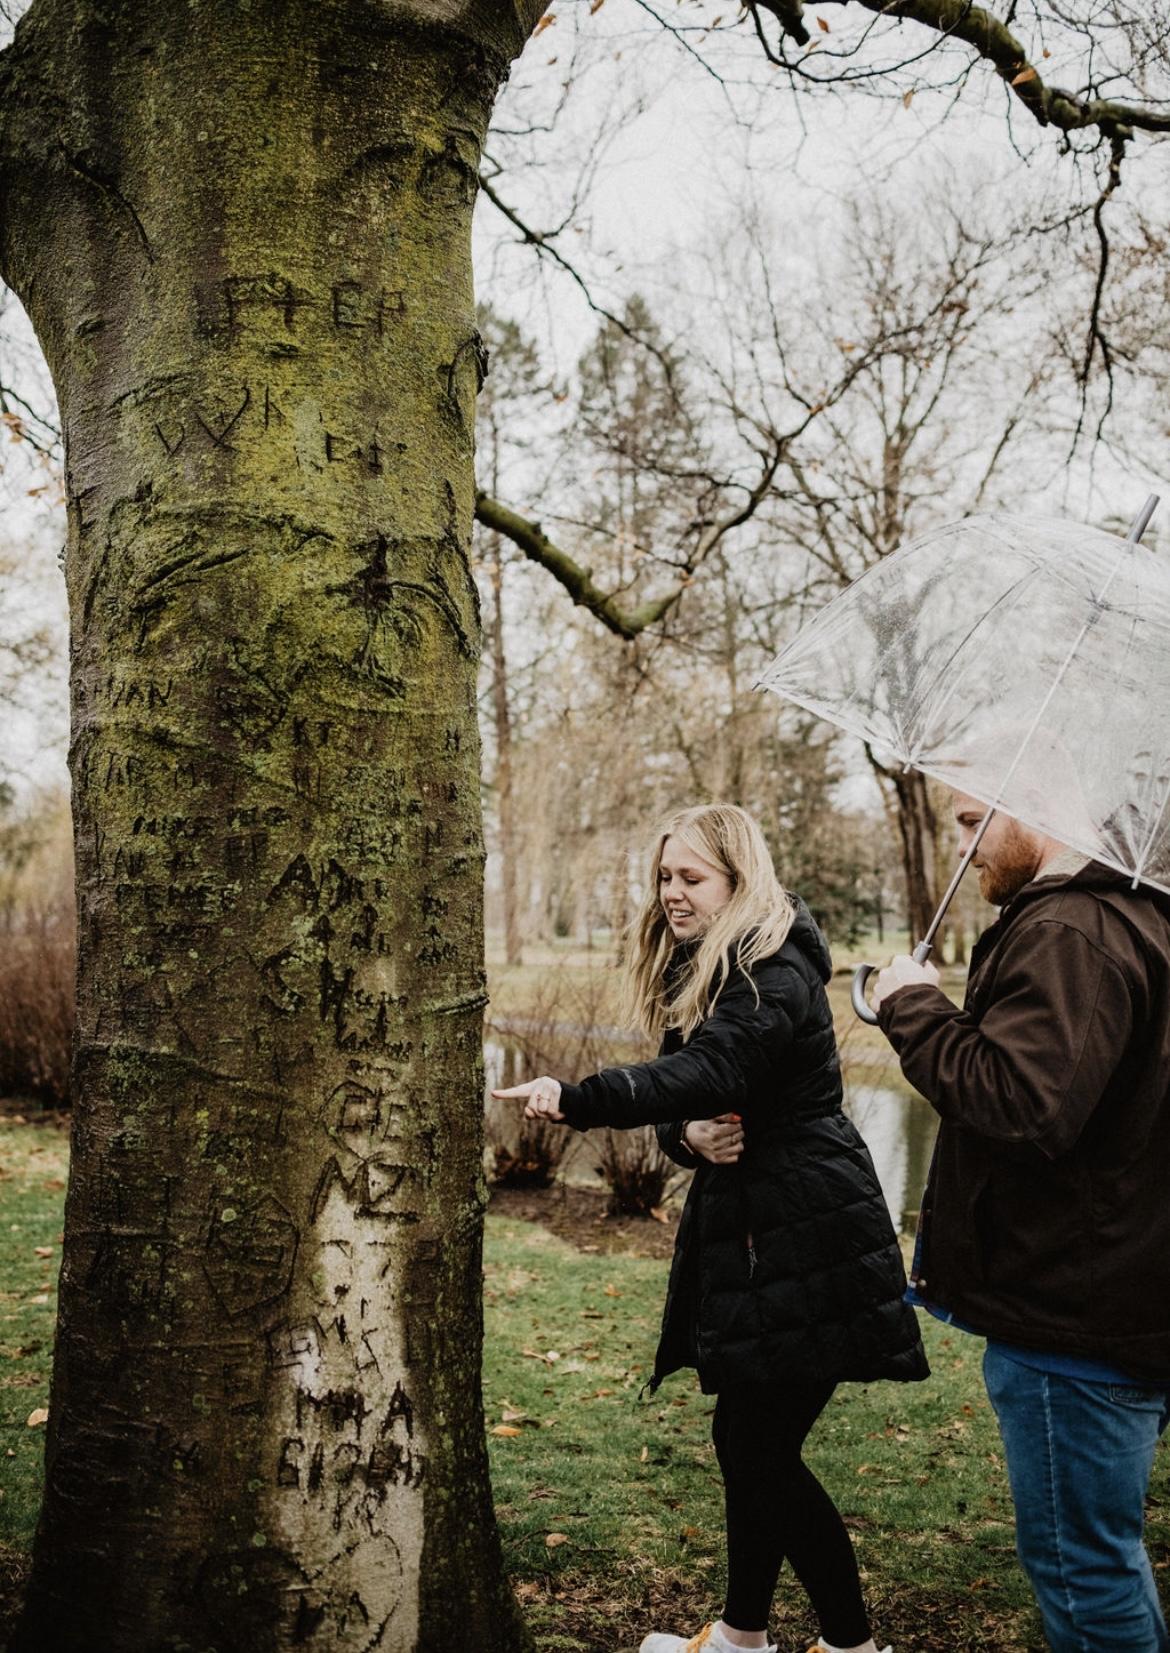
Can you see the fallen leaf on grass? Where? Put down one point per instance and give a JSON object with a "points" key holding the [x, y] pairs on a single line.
{"points": [[659, 1215], [554, 1540], [35, 1419], [611, 1290], [507, 1430], [644, 1455], [44, 1250]]}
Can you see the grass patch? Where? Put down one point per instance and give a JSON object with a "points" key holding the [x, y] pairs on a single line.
{"points": [[33, 1167], [626, 1490], [611, 1508]]}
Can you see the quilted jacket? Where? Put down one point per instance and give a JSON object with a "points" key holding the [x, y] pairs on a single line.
{"points": [[786, 1266]]}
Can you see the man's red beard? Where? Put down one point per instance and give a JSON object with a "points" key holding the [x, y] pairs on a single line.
{"points": [[1014, 866]]}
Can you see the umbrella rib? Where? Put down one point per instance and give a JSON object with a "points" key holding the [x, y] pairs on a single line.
{"points": [[1139, 869], [1011, 592]]}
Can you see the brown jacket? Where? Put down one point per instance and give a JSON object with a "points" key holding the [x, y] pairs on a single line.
{"points": [[1046, 1218]]}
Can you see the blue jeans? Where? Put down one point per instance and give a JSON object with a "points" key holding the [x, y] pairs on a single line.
{"points": [[1079, 1456]]}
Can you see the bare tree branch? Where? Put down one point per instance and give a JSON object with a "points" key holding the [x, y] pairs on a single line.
{"points": [[544, 247], [994, 41], [577, 581]]}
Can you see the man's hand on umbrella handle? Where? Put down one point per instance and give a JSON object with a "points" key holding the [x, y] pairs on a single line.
{"points": [[540, 1097], [720, 1139], [902, 971]]}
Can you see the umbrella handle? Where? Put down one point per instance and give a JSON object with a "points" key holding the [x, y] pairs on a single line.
{"points": [[864, 971], [860, 1003]]}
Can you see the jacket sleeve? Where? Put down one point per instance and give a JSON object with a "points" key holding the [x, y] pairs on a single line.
{"points": [[1036, 1065], [672, 1145], [715, 1072]]}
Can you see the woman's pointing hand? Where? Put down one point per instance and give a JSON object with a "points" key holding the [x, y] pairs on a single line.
{"points": [[540, 1097]]}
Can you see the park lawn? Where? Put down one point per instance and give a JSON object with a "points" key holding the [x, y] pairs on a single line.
{"points": [[609, 1504], [34, 1163]]}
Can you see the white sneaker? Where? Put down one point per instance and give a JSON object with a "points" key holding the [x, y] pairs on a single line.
{"points": [[708, 1640], [819, 1647]]}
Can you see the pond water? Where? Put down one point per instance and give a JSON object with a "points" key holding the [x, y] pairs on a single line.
{"points": [[898, 1128]]}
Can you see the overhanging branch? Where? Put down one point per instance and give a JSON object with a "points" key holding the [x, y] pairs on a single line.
{"points": [[577, 581], [994, 41]]}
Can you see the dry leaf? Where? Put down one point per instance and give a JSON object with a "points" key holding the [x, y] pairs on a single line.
{"points": [[1024, 74], [1047, 53], [546, 22], [659, 1215], [507, 1430], [44, 1251], [41, 1297], [821, 24], [553, 1540], [35, 1419], [907, 98], [611, 1290], [596, 6], [644, 1455], [511, 1415]]}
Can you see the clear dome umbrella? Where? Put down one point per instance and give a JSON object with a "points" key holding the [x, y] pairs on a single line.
{"points": [[1022, 660]]}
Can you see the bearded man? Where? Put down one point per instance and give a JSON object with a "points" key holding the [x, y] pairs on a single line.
{"points": [[1045, 1225]]}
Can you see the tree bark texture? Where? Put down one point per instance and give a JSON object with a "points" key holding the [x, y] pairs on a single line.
{"points": [[918, 831], [505, 792], [243, 235]]}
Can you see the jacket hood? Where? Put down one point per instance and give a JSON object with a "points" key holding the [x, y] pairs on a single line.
{"points": [[807, 935]]}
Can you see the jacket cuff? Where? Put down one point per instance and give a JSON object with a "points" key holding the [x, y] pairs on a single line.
{"points": [[902, 1005], [574, 1104], [670, 1140]]}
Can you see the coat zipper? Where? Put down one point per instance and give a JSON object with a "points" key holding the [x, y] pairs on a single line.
{"points": [[748, 1235]]}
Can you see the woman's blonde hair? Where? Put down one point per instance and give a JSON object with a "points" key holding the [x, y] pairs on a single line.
{"points": [[755, 921]]}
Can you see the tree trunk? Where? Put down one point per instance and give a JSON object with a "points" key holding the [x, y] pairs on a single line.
{"points": [[242, 233], [918, 832], [502, 717]]}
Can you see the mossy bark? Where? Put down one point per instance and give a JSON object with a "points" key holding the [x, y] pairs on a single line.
{"points": [[243, 235]]}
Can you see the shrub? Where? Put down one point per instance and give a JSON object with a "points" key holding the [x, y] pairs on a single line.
{"points": [[37, 966], [563, 1035], [637, 1171]]}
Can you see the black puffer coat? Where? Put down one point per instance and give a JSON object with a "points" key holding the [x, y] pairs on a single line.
{"points": [[786, 1265]]}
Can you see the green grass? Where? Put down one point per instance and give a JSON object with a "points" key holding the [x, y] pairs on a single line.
{"points": [[630, 1489], [33, 1167], [627, 1489]]}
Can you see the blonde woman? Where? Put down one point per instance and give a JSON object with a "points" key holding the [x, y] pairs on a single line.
{"points": [[787, 1277]]}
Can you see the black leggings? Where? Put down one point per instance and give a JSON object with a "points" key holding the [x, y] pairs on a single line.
{"points": [[777, 1508]]}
